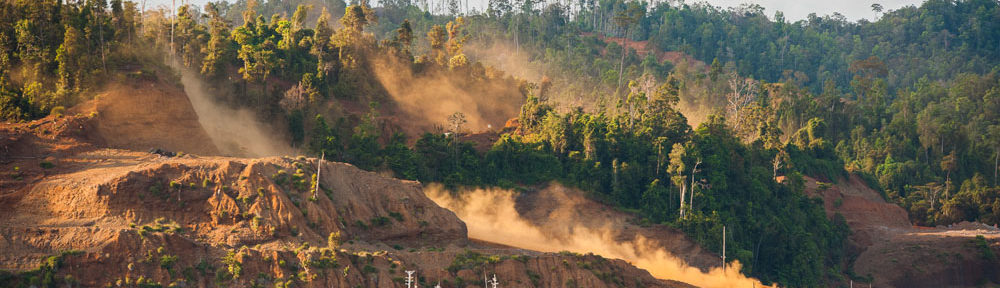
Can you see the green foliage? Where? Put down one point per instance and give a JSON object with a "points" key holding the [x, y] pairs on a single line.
{"points": [[333, 240], [379, 221], [232, 263], [58, 111], [472, 260], [167, 261], [280, 177], [369, 269], [984, 249], [396, 215], [44, 276], [908, 101]]}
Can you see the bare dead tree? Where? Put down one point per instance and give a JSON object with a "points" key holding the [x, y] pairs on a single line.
{"points": [[778, 163], [931, 191], [295, 98], [455, 122], [693, 170], [743, 93]]}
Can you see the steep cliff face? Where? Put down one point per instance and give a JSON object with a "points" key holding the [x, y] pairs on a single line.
{"points": [[148, 114]]}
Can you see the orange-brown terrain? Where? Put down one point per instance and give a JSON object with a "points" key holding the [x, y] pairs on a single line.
{"points": [[83, 204], [891, 252], [642, 48]]}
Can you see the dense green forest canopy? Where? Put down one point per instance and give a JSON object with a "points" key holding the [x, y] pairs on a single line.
{"points": [[909, 102]]}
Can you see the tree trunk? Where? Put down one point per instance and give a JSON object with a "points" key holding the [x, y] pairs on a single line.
{"points": [[100, 32], [659, 159], [683, 191], [691, 201], [927, 155], [621, 65], [172, 18]]}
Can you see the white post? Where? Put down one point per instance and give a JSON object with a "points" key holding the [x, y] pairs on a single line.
{"points": [[409, 279], [723, 249], [319, 166]]}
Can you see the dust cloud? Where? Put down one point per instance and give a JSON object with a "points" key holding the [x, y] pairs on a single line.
{"points": [[428, 98], [490, 215], [695, 114], [236, 132], [505, 56], [565, 94]]}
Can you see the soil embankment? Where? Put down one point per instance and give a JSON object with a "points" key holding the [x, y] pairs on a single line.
{"points": [[147, 115], [890, 252]]}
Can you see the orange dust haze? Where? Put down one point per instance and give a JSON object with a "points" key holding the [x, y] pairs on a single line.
{"points": [[490, 215]]}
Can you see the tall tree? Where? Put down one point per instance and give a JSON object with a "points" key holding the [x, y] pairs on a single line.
{"points": [[321, 48], [632, 14], [994, 140], [676, 170], [72, 59], [404, 37], [219, 48], [436, 37]]}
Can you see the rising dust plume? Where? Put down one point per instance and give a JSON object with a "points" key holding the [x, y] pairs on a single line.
{"points": [[490, 215], [429, 97], [236, 132]]}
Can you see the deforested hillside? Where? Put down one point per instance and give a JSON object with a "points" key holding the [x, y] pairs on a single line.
{"points": [[110, 217], [713, 146]]}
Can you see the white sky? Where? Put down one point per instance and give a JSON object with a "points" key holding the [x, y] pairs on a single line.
{"points": [[798, 10], [794, 9]]}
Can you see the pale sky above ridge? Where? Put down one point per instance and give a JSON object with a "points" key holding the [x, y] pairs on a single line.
{"points": [[794, 10]]}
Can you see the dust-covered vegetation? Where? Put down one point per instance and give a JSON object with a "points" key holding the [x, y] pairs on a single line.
{"points": [[688, 115]]}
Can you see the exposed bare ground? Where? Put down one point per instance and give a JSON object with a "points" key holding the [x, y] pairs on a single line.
{"points": [[144, 115], [642, 48], [130, 211], [887, 248]]}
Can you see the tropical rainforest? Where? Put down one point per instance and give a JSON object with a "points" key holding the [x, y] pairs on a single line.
{"points": [[686, 114]]}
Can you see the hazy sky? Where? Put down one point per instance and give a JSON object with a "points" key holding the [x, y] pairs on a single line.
{"points": [[793, 9], [797, 10]]}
